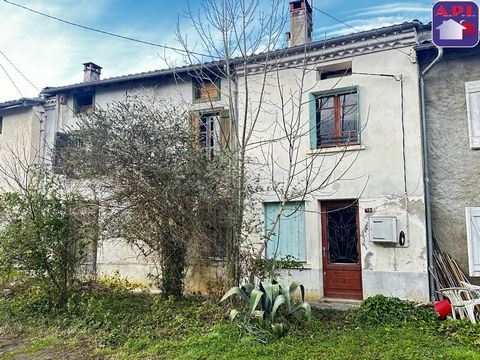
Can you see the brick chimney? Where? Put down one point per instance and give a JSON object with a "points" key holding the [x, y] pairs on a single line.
{"points": [[91, 72], [301, 22]]}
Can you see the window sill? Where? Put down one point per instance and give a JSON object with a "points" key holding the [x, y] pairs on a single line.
{"points": [[201, 101], [305, 267], [336, 149]]}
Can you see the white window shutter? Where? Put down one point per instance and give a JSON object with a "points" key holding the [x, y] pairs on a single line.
{"points": [[473, 239], [472, 91]]}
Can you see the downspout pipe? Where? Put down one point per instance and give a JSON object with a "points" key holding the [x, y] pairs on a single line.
{"points": [[426, 177]]}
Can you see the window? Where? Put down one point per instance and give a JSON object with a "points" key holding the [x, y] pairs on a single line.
{"points": [[472, 90], [206, 89], [64, 143], [209, 133], [335, 119], [214, 243], [1, 124], [213, 131], [332, 71], [289, 235], [335, 74], [473, 239], [83, 103]]}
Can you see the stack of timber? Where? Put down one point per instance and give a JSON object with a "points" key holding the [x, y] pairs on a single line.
{"points": [[447, 273]]}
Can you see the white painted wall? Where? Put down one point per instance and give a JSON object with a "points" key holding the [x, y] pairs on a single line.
{"points": [[375, 176], [375, 173], [20, 137]]}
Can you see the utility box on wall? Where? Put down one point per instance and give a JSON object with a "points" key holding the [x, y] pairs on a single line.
{"points": [[383, 230]]}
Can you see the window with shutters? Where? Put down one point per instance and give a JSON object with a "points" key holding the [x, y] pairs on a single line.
{"points": [[289, 236], [472, 91], [206, 89], [212, 131], [473, 239]]}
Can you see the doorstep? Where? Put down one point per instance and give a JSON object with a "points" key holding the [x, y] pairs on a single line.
{"points": [[336, 304]]}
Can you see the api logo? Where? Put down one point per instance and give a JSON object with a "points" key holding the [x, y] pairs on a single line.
{"points": [[455, 24]]}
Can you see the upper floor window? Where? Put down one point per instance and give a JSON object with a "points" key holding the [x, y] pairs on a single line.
{"points": [[65, 143], [209, 133], [338, 70], [83, 103], [206, 89], [212, 131], [336, 119]]}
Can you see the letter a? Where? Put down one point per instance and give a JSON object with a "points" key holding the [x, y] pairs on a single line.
{"points": [[441, 11]]}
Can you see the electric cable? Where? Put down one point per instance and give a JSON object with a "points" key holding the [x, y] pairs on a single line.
{"points": [[106, 32], [16, 68], [11, 80]]}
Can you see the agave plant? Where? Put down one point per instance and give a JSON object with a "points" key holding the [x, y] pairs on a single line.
{"points": [[265, 302]]}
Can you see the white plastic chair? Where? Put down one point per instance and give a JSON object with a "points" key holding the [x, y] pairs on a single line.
{"points": [[473, 288], [463, 301]]}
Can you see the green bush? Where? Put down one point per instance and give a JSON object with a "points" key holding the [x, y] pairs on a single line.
{"points": [[390, 311], [42, 235]]}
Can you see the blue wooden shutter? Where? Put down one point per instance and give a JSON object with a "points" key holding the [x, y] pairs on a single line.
{"points": [[289, 235]]}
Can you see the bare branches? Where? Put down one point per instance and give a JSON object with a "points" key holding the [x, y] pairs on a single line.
{"points": [[269, 105]]}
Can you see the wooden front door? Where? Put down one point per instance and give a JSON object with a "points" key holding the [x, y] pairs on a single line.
{"points": [[342, 271]]}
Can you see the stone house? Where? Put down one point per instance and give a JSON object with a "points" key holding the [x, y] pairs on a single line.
{"points": [[358, 120]]}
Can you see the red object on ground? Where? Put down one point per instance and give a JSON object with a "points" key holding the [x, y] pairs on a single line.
{"points": [[443, 308]]}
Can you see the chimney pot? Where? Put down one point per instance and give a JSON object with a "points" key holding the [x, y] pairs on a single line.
{"points": [[91, 72]]}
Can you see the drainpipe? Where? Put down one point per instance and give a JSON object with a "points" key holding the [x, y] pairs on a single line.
{"points": [[426, 179]]}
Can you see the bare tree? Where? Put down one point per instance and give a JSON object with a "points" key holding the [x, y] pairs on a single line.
{"points": [[265, 88]]}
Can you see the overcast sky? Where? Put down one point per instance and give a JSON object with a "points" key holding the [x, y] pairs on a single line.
{"points": [[51, 53]]}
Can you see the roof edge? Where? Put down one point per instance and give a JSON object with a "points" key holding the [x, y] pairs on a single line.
{"points": [[23, 102], [415, 24]]}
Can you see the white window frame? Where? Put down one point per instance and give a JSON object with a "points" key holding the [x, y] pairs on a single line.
{"points": [[472, 88], [473, 245]]}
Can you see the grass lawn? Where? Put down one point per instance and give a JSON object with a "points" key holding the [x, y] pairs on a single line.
{"points": [[117, 324]]}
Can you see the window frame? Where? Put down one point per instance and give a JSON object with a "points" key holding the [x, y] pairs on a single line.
{"points": [[197, 82], [222, 130], [62, 142], [212, 132], [315, 144], [473, 249], [78, 109], [472, 87]]}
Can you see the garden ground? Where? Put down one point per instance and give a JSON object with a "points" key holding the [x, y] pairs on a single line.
{"points": [[114, 323]]}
